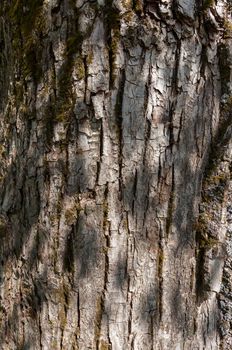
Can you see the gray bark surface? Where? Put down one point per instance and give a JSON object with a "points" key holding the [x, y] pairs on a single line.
{"points": [[115, 176]]}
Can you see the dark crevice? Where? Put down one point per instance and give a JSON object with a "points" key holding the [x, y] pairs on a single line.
{"points": [[56, 9], [40, 332], [101, 302], [180, 128], [105, 208], [137, 7], [159, 170], [146, 139], [170, 127], [98, 171], [152, 331], [174, 91], [119, 121], [110, 345], [112, 29], [85, 62], [130, 319], [100, 311], [146, 92], [134, 190], [220, 141], [170, 204], [106, 263], [177, 64], [78, 312], [160, 281], [101, 150], [204, 61], [200, 272], [101, 140], [224, 67], [69, 252]]}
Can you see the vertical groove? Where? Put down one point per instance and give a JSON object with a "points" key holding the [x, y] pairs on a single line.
{"points": [[134, 190], [85, 77], [170, 204], [101, 150], [119, 120], [78, 311], [40, 333], [160, 281], [101, 303]]}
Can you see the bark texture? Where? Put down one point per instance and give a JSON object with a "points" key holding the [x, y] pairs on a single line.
{"points": [[115, 176]]}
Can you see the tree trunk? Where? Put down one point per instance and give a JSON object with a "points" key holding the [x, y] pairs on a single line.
{"points": [[115, 177]]}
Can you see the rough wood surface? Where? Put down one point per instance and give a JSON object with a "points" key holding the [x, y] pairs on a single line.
{"points": [[115, 176]]}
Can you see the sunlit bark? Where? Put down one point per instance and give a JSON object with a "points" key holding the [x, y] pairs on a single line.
{"points": [[115, 190]]}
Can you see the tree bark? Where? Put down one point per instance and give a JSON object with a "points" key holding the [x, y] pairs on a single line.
{"points": [[115, 177]]}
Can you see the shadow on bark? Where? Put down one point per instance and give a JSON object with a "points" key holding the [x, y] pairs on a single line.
{"points": [[20, 203]]}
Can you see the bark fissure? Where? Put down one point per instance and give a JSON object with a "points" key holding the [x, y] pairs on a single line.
{"points": [[160, 282], [170, 204], [115, 136], [119, 121]]}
